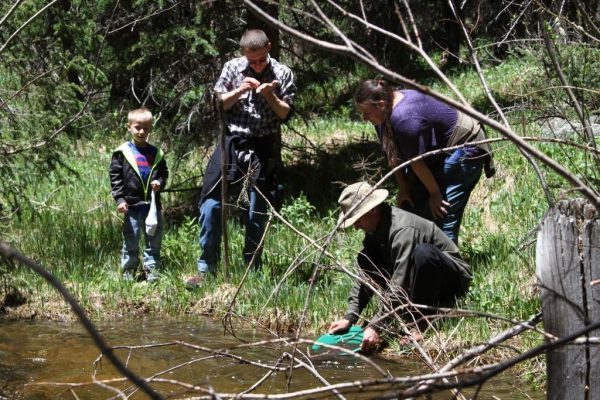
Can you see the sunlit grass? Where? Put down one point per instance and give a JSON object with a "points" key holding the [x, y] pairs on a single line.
{"points": [[71, 227], [79, 240]]}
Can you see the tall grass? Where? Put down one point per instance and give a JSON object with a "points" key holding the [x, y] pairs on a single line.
{"points": [[70, 226]]}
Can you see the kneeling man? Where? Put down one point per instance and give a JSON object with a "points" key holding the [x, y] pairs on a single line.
{"points": [[406, 258]]}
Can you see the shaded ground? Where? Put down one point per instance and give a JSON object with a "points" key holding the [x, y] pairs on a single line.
{"points": [[321, 173], [317, 171]]}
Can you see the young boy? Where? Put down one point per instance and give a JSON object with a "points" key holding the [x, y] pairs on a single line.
{"points": [[136, 169]]}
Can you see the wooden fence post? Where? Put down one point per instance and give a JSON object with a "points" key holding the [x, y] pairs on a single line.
{"points": [[568, 268]]}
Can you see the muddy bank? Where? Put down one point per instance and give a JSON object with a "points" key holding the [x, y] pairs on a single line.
{"points": [[215, 304]]}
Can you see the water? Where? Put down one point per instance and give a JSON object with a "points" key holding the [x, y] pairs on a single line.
{"points": [[38, 357]]}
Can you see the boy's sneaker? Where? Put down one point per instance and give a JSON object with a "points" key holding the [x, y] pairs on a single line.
{"points": [[195, 281], [128, 276], [151, 275], [134, 276]]}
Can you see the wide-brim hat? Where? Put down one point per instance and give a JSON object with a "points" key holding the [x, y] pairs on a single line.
{"points": [[358, 199]]}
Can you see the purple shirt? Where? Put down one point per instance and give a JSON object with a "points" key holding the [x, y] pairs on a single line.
{"points": [[420, 123]]}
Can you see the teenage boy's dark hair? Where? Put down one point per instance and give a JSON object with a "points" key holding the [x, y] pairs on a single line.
{"points": [[254, 39]]}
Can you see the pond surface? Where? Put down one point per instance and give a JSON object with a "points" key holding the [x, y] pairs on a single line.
{"points": [[37, 359]]}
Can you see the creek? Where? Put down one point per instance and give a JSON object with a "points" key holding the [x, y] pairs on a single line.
{"points": [[38, 357]]}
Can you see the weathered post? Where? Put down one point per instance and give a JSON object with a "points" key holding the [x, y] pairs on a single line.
{"points": [[568, 270]]}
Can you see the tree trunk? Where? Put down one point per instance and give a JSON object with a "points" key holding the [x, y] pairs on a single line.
{"points": [[568, 267]]}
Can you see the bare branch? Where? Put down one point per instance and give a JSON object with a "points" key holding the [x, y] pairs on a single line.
{"points": [[53, 135], [15, 33], [590, 193], [9, 13], [402, 22], [26, 85], [134, 22], [588, 134], [414, 25], [538, 171], [575, 26], [10, 253], [418, 48]]}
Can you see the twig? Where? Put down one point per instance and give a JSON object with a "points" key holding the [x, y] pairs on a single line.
{"points": [[25, 86], [9, 13], [10, 253], [591, 194], [227, 318], [412, 22], [15, 33], [218, 101], [588, 135], [536, 168], [158, 12], [407, 42]]}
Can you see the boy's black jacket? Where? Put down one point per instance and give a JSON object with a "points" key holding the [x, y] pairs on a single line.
{"points": [[126, 183]]}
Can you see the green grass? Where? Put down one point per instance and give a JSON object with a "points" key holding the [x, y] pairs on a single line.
{"points": [[69, 224], [73, 229]]}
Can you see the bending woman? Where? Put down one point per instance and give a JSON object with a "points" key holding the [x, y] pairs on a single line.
{"points": [[410, 123]]}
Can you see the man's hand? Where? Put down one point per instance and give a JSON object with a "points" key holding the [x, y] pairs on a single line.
{"points": [[370, 341], [155, 185], [122, 208], [339, 326], [267, 88], [230, 98], [248, 84]]}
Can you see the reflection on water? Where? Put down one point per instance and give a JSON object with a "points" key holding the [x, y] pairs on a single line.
{"points": [[32, 352]]}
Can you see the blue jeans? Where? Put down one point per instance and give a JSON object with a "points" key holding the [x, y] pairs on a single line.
{"points": [[456, 177], [211, 230], [133, 228]]}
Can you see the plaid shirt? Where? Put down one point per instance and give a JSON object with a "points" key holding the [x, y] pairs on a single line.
{"points": [[251, 115]]}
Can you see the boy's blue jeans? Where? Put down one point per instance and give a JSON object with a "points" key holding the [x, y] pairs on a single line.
{"points": [[133, 228], [211, 230], [456, 177]]}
